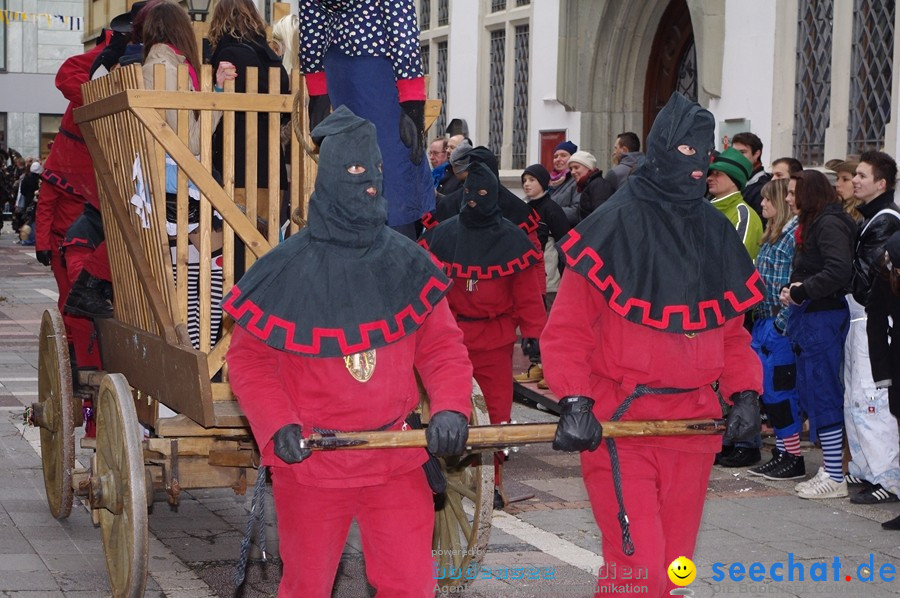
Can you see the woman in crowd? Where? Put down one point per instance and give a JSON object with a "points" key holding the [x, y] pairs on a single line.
{"points": [[237, 35], [169, 40], [819, 320], [776, 252], [562, 183], [285, 38], [845, 171]]}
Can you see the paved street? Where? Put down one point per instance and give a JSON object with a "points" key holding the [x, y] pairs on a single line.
{"points": [[193, 550]]}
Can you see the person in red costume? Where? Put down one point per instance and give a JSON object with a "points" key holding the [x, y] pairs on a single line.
{"points": [[68, 177], [332, 326], [494, 290], [647, 321]]}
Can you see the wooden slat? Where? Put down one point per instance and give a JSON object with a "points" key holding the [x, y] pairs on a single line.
{"points": [[180, 426]]}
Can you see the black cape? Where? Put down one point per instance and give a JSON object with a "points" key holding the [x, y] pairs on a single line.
{"points": [[661, 254], [346, 283], [479, 243]]}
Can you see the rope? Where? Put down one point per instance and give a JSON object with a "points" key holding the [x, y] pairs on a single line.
{"points": [[639, 390], [257, 516], [309, 148]]}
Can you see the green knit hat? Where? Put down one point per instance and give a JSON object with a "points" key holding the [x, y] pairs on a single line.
{"points": [[735, 165]]}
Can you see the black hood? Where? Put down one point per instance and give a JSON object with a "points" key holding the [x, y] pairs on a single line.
{"points": [[347, 208], [660, 253], [480, 204], [346, 283]]}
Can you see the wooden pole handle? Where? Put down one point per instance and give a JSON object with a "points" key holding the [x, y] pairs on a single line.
{"points": [[483, 437]]}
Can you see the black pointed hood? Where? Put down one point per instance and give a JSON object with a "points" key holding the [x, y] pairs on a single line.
{"points": [[346, 283], [479, 243], [660, 253]]}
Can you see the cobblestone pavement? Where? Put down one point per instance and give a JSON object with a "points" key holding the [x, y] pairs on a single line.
{"points": [[193, 549]]}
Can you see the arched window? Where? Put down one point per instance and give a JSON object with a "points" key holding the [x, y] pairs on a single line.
{"points": [[870, 74], [812, 95]]}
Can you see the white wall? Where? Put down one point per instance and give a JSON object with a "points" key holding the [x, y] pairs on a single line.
{"points": [[545, 112], [463, 45], [748, 69]]}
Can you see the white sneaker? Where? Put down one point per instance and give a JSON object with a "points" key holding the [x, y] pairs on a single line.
{"points": [[826, 488], [820, 475]]}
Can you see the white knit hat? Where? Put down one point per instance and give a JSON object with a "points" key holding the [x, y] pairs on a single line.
{"points": [[584, 158]]}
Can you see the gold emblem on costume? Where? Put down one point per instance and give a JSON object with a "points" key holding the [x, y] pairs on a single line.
{"points": [[471, 285], [361, 365]]}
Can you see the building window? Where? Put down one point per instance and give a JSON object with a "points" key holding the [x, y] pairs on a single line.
{"points": [[520, 99], [426, 59], [497, 80], [49, 128], [440, 123], [812, 89], [433, 38], [498, 5], [3, 25], [424, 15], [523, 2], [870, 74]]}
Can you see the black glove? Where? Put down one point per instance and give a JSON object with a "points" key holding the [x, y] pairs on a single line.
{"points": [[44, 256], [319, 108], [287, 444], [447, 433], [412, 129], [532, 349], [743, 422], [578, 428]]}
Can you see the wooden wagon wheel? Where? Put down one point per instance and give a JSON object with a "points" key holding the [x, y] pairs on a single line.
{"points": [[54, 413], [118, 489], [462, 517]]}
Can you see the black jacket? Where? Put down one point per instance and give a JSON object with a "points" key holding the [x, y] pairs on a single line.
{"points": [[824, 263], [752, 193], [553, 221], [594, 191], [244, 54], [873, 234]]}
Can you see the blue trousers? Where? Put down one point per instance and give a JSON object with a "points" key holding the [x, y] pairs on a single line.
{"points": [[818, 341], [779, 378], [366, 85]]}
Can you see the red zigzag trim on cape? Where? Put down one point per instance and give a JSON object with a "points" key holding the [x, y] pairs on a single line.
{"points": [[454, 270], [608, 284], [318, 334]]}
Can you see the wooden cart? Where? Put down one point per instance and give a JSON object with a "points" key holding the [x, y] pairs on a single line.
{"points": [[147, 353]]}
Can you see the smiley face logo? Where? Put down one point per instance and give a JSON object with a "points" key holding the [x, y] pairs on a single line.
{"points": [[682, 571]]}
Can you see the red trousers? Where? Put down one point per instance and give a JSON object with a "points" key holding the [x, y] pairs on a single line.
{"points": [[493, 372], [664, 491], [80, 330], [396, 522], [98, 264]]}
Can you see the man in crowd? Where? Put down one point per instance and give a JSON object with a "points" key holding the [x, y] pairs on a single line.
{"points": [[626, 157], [751, 147], [728, 174]]}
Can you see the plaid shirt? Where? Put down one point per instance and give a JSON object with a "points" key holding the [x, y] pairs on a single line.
{"points": [[774, 265]]}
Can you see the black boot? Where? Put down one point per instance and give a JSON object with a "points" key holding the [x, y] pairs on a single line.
{"points": [[87, 297]]}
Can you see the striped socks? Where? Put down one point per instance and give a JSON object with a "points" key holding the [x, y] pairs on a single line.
{"points": [[832, 441], [791, 444]]}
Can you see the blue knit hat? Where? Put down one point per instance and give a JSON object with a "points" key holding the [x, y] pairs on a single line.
{"points": [[567, 146]]}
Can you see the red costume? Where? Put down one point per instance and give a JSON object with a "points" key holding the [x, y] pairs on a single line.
{"points": [[644, 334], [332, 327], [68, 183]]}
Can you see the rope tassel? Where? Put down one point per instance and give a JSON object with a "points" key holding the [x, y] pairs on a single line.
{"points": [[257, 516]]}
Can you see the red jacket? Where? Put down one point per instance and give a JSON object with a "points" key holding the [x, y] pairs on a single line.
{"points": [[68, 167], [276, 388], [489, 313], [589, 350]]}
